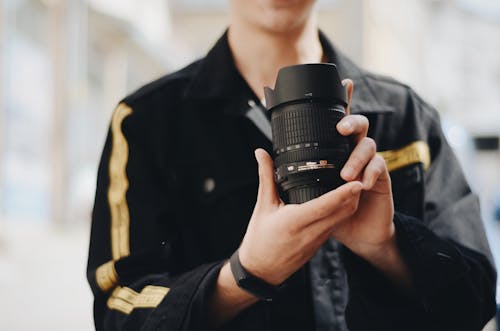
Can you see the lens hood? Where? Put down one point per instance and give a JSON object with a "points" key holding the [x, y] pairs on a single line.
{"points": [[306, 81]]}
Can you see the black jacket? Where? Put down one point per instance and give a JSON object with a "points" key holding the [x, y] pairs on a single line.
{"points": [[177, 184]]}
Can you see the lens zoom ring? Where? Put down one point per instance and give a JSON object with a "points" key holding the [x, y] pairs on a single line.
{"points": [[311, 154], [305, 122]]}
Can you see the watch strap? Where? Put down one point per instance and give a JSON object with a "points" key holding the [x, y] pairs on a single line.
{"points": [[251, 283]]}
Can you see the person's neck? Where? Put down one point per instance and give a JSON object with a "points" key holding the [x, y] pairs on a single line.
{"points": [[259, 54]]}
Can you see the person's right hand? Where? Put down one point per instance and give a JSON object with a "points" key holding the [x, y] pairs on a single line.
{"points": [[281, 238]]}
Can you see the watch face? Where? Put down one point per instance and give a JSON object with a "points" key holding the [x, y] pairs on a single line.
{"points": [[254, 287], [244, 282]]}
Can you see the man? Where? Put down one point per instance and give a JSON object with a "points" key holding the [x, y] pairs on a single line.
{"points": [[176, 198]]}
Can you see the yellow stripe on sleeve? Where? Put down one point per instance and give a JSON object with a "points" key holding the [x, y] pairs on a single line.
{"points": [[125, 300], [416, 152], [106, 276], [118, 185]]}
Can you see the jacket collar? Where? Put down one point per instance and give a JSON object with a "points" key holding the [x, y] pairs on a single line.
{"points": [[217, 78], [364, 99]]}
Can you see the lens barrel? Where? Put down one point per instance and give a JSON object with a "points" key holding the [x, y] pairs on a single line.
{"points": [[307, 103]]}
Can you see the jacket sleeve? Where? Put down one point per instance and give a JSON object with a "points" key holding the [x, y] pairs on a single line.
{"points": [[136, 265], [445, 248]]}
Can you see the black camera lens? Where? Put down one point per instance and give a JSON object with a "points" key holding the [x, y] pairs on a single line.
{"points": [[307, 103]]}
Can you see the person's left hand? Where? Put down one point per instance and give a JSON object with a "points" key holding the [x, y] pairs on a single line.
{"points": [[369, 232]]}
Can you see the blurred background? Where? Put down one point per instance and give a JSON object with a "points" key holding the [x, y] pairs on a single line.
{"points": [[64, 65]]}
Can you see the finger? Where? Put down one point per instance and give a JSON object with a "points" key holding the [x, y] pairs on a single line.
{"points": [[353, 125], [364, 151], [327, 224], [373, 171], [323, 206], [350, 88], [267, 195]]}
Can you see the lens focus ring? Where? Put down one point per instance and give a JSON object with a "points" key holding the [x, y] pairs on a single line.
{"points": [[305, 122]]}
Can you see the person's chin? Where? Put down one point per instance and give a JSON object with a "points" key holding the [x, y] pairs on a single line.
{"points": [[284, 3], [283, 25]]}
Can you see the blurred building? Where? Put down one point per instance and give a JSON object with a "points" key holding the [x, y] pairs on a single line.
{"points": [[64, 66]]}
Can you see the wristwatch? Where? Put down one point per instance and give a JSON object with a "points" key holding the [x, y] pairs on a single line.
{"points": [[250, 283]]}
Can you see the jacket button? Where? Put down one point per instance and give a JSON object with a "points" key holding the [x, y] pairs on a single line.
{"points": [[209, 185]]}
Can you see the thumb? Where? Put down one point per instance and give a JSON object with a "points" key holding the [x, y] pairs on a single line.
{"points": [[350, 87], [267, 195]]}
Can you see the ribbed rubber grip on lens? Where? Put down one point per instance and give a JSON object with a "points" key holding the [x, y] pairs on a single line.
{"points": [[306, 122], [303, 194]]}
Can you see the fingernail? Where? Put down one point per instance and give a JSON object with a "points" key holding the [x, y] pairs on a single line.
{"points": [[256, 156], [346, 125], [347, 172]]}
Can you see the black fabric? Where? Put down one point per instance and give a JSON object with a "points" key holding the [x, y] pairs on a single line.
{"points": [[440, 269], [193, 184]]}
